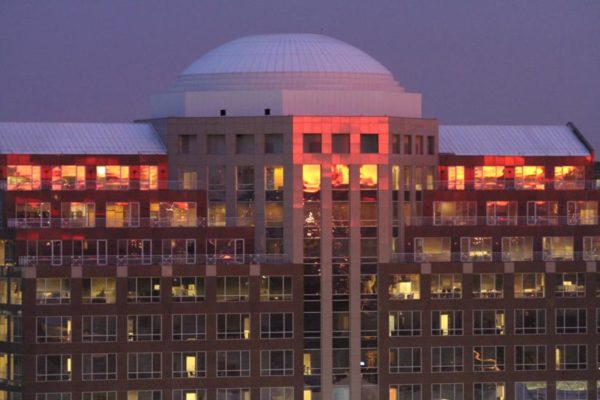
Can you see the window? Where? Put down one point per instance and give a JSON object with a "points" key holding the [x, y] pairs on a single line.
{"points": [[582, 212], [405, 359], [245, 195], [189, 394], [446, 323], [571, 390], [23, 177], [456, 177], [144, 365], [186, 144], [369, 143], [142, 328], [475, 249], [244, 144], [173, 214], [53, 291], [144, 395], [55, 329], [233, 326], [189, 327], [488, 286], [446, 359], [188, 180], [488, 322], [112, 177], [558, 248], [276, 362], [179, 251], [99, 396], [48, 396], [233, 363], [591, 248], [405, 287], [431, 145], [98, 366], [99, 290], [529, 284], [277, 393], [432, 249], [189, 365], [488, 391], [407, 144], [276, 325], [530, 390], [274, 143], [571, 320], [488, 358], [395, 143], [148, 177], [542, 213], [530, 322], [143, 290], [122, 214], [419, 149], [275, 288], [405, 392], [404, 323], [187, 289], [99, 328], [53, 367], [446, 286], [447, 391], [529, 177], [215, 144], [571, 356], [232, 288], [570, 284], [454, 213], [340, 143], [134, 251], [78, 215], [312, 142], [33, 214], [530, 358], [517, 248], [569, 177], [233, 394], [502, 213], [489, 178], [225, 250], [46, 252]]}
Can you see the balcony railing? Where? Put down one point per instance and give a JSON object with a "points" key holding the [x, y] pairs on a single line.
{"points": [[494, 257], [512, 184], [171, 259], [521, 220], [65, 223]]}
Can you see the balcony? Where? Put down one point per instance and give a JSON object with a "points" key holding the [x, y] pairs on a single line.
{"points": [[84, 223], [491, 257], [554, 220]]}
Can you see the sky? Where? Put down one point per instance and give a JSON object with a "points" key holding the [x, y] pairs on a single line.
{"points": [[475, 62]]}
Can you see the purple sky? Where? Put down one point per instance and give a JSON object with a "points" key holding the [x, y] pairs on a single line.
{"points": [[476, 62]]}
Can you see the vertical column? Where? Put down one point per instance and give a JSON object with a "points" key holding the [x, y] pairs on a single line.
{"points": [[355, 284], [326, 284]]}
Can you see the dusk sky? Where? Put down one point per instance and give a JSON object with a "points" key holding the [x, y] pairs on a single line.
{"points": [[476, 62]]}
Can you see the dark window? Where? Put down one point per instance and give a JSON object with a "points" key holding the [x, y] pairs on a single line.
{"points": [[369, 143], [267, 111], [244, 144], [407, 144], [340, 143], [419, 145], [430, 145], [186, 143], [215, 144], [274, 143], [223, 113], [396, 144], [312, 143]]}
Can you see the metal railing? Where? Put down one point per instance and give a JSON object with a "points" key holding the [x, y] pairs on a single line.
{"points": [[521, 220], [141, 260], [100, 222], [494, 257]]}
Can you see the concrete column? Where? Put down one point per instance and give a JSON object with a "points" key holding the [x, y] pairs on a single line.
{"points": [[326, 283], [355, 376]]}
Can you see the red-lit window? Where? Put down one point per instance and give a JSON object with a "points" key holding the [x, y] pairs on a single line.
{"points": [[225, 250], [489, 177], [68, 177], [112, 177], [78, 215], [529, 177], [24, 177], [148, 177], [456, 177], [568, 177], [33, 215], [173, 214], [122, 214]]}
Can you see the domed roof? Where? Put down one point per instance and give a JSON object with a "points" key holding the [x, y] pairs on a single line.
{"points": [[286, 53]]}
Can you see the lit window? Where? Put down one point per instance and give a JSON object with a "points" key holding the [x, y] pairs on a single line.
{"points": [[340, 176], [558, 248], [488, 286], [446, 323], [78, 215], [454, 212], [225, 250], [489, 390], [311, 178], [489, 177], [488, 358], [502, 213], [529, 284], [33, 214], [570, 284], [530, 390], [405, 287], [122, 214], [405, 392], [166, 214], [475, 249], [517, 248], [432, 249], [591, 248], [68, 177], [582, 212], [179, 251], [571, 390], [368, 176], [404, 323], [189, 365], [530, 177], [56, 329], [569, 177], [187, 289], [112, 177], [456, 177], [148, 177], [99, 290], [24, 177], [542, 213], [53, 291]]}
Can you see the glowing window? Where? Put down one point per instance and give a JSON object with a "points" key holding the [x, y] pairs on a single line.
{"points": [[405, 287], [582, 212], [517, 248], [432, 249], [456, 177], [68, 177], [530, 177], [122, 214], [489, 177], [148, 177], [24, 177], [502, 212], [112, 177], [274, 178], [173, 214], [311, 178], [476, 248], [368, 176], [340, 176], [558, 248], [569, 177]]}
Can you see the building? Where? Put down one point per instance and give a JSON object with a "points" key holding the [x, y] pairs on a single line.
{"points": [[288, 226]]}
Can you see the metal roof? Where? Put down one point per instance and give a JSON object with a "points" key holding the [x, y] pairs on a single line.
{"points": [[79, 138], [510, 140]]}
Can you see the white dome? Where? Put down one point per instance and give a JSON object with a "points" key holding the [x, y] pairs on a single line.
{"points": [[286, 53]]}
